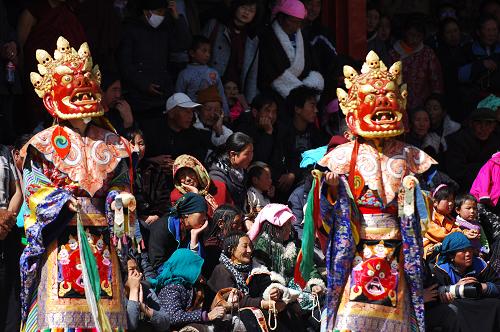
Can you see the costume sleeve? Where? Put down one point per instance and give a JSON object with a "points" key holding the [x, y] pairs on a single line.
{"points": [[119, 183], [48, 215], [45, 199]]}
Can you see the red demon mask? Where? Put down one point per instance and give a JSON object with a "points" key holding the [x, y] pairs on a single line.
{"points": [[67, 83], [375, 105], [375, 279]]}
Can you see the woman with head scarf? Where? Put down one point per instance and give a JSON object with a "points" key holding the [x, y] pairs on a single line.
{"points": [[180, 228], [176, 292], [275, 249], [191, 176], [234, 270], [470, 299]]}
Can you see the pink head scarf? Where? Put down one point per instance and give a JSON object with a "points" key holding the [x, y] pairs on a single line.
{"points": [[276, 214], [293, 8]]}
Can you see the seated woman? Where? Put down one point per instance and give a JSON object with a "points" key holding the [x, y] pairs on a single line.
{"points": [[226, 219], [477, 306], [235, 267], [228, 165], [442, 222], [237, 271], [275, 249], [191, 176], [176, 291], [180, 228]]}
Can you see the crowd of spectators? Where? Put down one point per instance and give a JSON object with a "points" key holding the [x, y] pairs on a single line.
{"points": [[221, 99]]}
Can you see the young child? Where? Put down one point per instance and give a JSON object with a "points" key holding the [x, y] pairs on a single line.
{"points": [[466, 208], [236, 101], [442, 222], [261, 187], [198, 75]]}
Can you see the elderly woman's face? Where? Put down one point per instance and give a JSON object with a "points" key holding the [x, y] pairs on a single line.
{"points": [[463, 258], [187, 176], [243, 252]]}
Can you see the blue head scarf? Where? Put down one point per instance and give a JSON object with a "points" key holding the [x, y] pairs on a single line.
{"points": [[452, 242], [182, 268], [189, 203]]}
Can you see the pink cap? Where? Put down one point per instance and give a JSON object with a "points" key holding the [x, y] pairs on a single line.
{"points": [[276, 214], [293, 8]]}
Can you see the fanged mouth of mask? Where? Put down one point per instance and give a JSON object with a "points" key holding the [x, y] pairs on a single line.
{"points": [[381, 117], [375, 288], [82, 97]]}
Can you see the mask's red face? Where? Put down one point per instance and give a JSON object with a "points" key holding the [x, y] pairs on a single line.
{"points": [[68, 83], [375, 105], [376, 279], [379, 111], [75, 94]]}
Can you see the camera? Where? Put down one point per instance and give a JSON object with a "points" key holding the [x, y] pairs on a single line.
{"points": [[468, 291]]}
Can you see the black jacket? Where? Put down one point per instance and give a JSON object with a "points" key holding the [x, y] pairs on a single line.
{"points": [[466, 155], [164, 140], [143, 59], [273, 61]]}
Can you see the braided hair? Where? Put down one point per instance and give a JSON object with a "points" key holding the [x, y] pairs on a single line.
{"points": [[227, 213]]}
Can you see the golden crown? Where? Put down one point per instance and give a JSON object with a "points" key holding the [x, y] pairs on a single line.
{"points": [[43, 81], [372, 69]]}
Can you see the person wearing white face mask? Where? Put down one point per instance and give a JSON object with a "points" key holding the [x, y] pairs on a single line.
{"points": [[147, 41]]}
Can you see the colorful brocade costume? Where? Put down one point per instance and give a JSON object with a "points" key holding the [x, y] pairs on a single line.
{"points": [[374, 217], [72, 282]]}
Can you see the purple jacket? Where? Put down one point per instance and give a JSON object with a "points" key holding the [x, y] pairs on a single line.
{"points": [[487, 182]]}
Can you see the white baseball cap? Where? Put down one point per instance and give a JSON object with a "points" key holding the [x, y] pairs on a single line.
{"points": [[179, 99]]}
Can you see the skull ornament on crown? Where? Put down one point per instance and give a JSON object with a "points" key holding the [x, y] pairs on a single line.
{"points": [[68, 83], [375, 106]]}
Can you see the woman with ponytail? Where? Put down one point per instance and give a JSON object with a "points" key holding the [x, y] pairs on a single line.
{"points": [[228, 165]]}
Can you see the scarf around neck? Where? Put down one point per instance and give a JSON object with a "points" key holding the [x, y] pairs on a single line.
{"points": [[236, 270]]}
